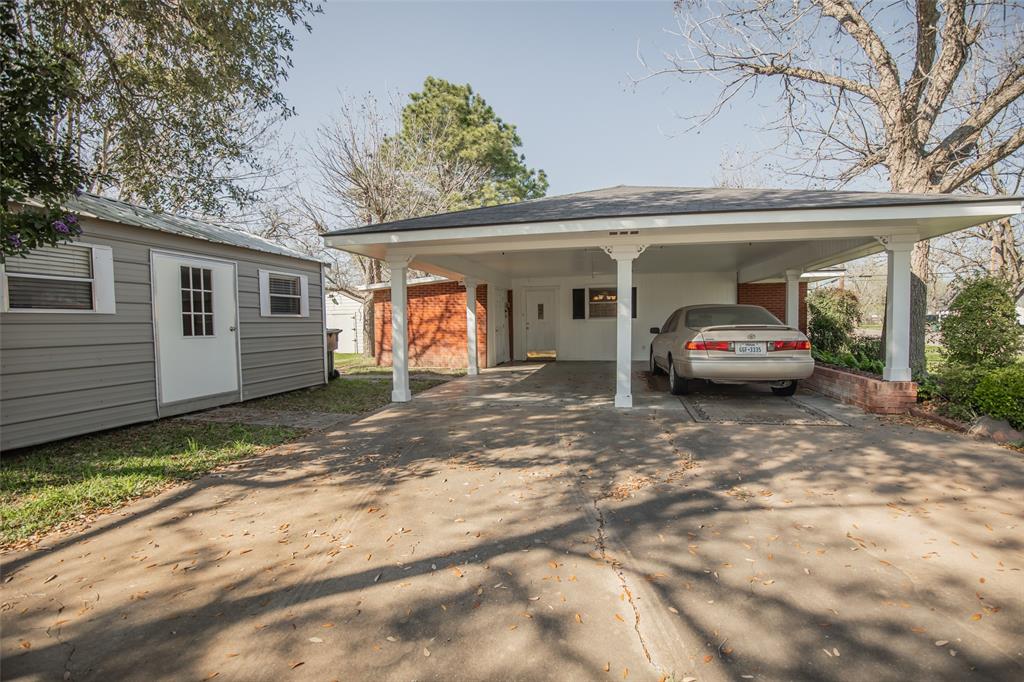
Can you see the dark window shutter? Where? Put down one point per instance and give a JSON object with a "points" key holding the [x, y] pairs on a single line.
{"points": [[633, 304], [579, 304]]}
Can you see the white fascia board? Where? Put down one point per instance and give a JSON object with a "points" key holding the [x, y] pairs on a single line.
{"points": [[411, 283], [827, 219]]}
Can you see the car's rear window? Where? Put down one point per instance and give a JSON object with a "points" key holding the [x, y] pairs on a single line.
{"points": [[728, 315]]}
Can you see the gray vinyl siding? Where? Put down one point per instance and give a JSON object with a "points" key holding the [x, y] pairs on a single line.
{"points": [[68, 374]]}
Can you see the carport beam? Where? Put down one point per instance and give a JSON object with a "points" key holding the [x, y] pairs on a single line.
{"points": [[473, 365], [624, 257], [793, 298], [897, 335], [400, 392]]}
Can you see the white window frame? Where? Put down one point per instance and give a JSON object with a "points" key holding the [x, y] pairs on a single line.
{"points": [[103, 299], [264, 277], [588, 301]]}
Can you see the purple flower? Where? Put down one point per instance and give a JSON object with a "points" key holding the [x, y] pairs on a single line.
{"points": [[71, 218], [61, 227], [15, 240]]}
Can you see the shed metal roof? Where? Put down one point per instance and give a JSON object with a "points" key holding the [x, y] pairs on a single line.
{"points": [[625, 201], [130, 214]]}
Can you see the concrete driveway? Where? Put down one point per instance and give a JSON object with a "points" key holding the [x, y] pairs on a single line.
{"points": [[516, 526]]}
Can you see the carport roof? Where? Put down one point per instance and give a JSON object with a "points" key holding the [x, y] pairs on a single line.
{"points": [[625, 201]]}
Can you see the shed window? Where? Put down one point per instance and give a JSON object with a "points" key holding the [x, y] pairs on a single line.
{"points": [[60, 278], [283, 294], [196, 301]]}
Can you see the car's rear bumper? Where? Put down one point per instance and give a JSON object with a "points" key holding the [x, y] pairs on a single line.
{"points": [[735, 369]]}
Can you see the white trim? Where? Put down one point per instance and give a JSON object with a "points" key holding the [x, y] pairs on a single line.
{"points": [[102, 280], [323, 315], [433, 279]]}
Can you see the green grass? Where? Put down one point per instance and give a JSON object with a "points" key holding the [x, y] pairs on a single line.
{"points": [[932, 356], [354, 363], [345, 396], [45, 486]]}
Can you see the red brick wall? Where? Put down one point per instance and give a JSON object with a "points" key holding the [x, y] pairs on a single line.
{"points": [[437, 325], [868, 393], [772, 296]]}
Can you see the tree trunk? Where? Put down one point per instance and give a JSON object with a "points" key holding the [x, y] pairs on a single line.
{"points": [[920, 276]]}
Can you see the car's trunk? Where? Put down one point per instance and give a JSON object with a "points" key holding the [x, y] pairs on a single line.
{"points": [[751, 340]]}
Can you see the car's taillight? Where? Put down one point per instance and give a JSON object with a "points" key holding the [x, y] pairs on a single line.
{"points": [[790, 345], [709, 345]]}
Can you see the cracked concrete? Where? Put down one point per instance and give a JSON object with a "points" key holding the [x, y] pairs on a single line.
{"points": [[516, 526]]}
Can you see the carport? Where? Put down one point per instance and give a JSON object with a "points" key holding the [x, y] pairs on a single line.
{"points": [[667, 246]]}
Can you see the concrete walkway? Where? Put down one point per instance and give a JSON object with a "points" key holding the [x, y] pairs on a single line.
{"points": [[516, 526]]}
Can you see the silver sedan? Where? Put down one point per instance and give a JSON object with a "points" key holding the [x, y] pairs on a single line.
{"points": [[730, 344]]}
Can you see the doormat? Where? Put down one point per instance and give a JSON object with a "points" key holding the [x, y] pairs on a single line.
{"points": [[757, 409]]}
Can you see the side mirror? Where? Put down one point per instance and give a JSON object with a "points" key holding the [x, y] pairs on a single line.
{"points": [[655, 330]]}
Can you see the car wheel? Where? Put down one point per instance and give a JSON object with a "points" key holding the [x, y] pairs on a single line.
{"points": [[654, 365], [787, 390], [677, 385]]}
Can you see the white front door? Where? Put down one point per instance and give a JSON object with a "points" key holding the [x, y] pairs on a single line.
{"points": [[195, 316], [540, 321]]}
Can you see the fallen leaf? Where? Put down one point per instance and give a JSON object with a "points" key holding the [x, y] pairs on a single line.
{"points": [[942, 642], [579, 618], [211, 676], [296, 664], [607, 666], [327, 625], [918, 630], [620, 618], [625, 673], [426, 651], [50, 578], [456, 571], [25, 644], [316, 640], [709, 658], [673, 609], [391, 639], [976, 616]]}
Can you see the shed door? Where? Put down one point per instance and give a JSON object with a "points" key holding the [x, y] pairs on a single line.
{"points": [[195, 316]]}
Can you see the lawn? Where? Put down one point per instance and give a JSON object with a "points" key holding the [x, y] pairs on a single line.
{"points": [[356, 363], [49, 485], [343, 395]]}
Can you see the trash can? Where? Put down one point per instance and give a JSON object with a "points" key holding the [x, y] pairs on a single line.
{"points": [[332, 345]]}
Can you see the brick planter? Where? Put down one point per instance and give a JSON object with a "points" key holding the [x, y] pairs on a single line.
{"points": [[866, 391]]}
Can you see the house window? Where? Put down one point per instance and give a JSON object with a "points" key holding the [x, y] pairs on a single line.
{"points": [[51, 278], [601, 302], [540, 311], [283, 294], [196, 301], [598, 303]]}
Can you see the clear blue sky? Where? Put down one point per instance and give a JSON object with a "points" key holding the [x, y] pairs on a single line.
{"points": [[560, 71]]}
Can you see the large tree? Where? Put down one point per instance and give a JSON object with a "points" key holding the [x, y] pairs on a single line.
{"points": [[37, 174], [174, 99], [463, 126], [925, 94]]}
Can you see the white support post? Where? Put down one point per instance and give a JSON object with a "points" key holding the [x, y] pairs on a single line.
{"points": [[793, 298], [624, 257], [897, 309], [399, 266], [473, 366]]}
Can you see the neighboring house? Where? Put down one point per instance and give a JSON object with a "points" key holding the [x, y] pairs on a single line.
{"points": [[345, 313], [149, 315]]}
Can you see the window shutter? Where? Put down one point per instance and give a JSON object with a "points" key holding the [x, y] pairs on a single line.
{"points": [[633, 304], [304, 294], [264, 293], [579, 304], [103, 279]]}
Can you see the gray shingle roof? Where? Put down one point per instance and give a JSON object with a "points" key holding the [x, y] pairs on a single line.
{"points": [[625, 201], [129, 214]]}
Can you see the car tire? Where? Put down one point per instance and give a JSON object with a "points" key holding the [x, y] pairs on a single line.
{"points": [[787, 390], [677, 385], [655, 370]]}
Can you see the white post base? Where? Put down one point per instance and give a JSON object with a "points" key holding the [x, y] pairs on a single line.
{"points": [[624, 257], [399, 266], [897, 339]]}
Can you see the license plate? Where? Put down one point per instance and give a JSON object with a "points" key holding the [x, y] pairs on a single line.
{"points": [[751, 349]]}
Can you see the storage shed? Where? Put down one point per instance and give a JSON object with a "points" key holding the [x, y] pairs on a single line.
{"points": [[149, 315]]}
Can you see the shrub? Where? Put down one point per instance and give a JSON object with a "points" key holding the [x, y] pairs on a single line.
{"points": [[981, 328], [865, 346], [1000, 395], [956, 384], [833, 314]]}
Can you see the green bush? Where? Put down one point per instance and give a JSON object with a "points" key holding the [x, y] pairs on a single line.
{"points": [[981, 328], [1000, 395], [955, 384], [833, 314], [865, 346], [850, 360]]}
